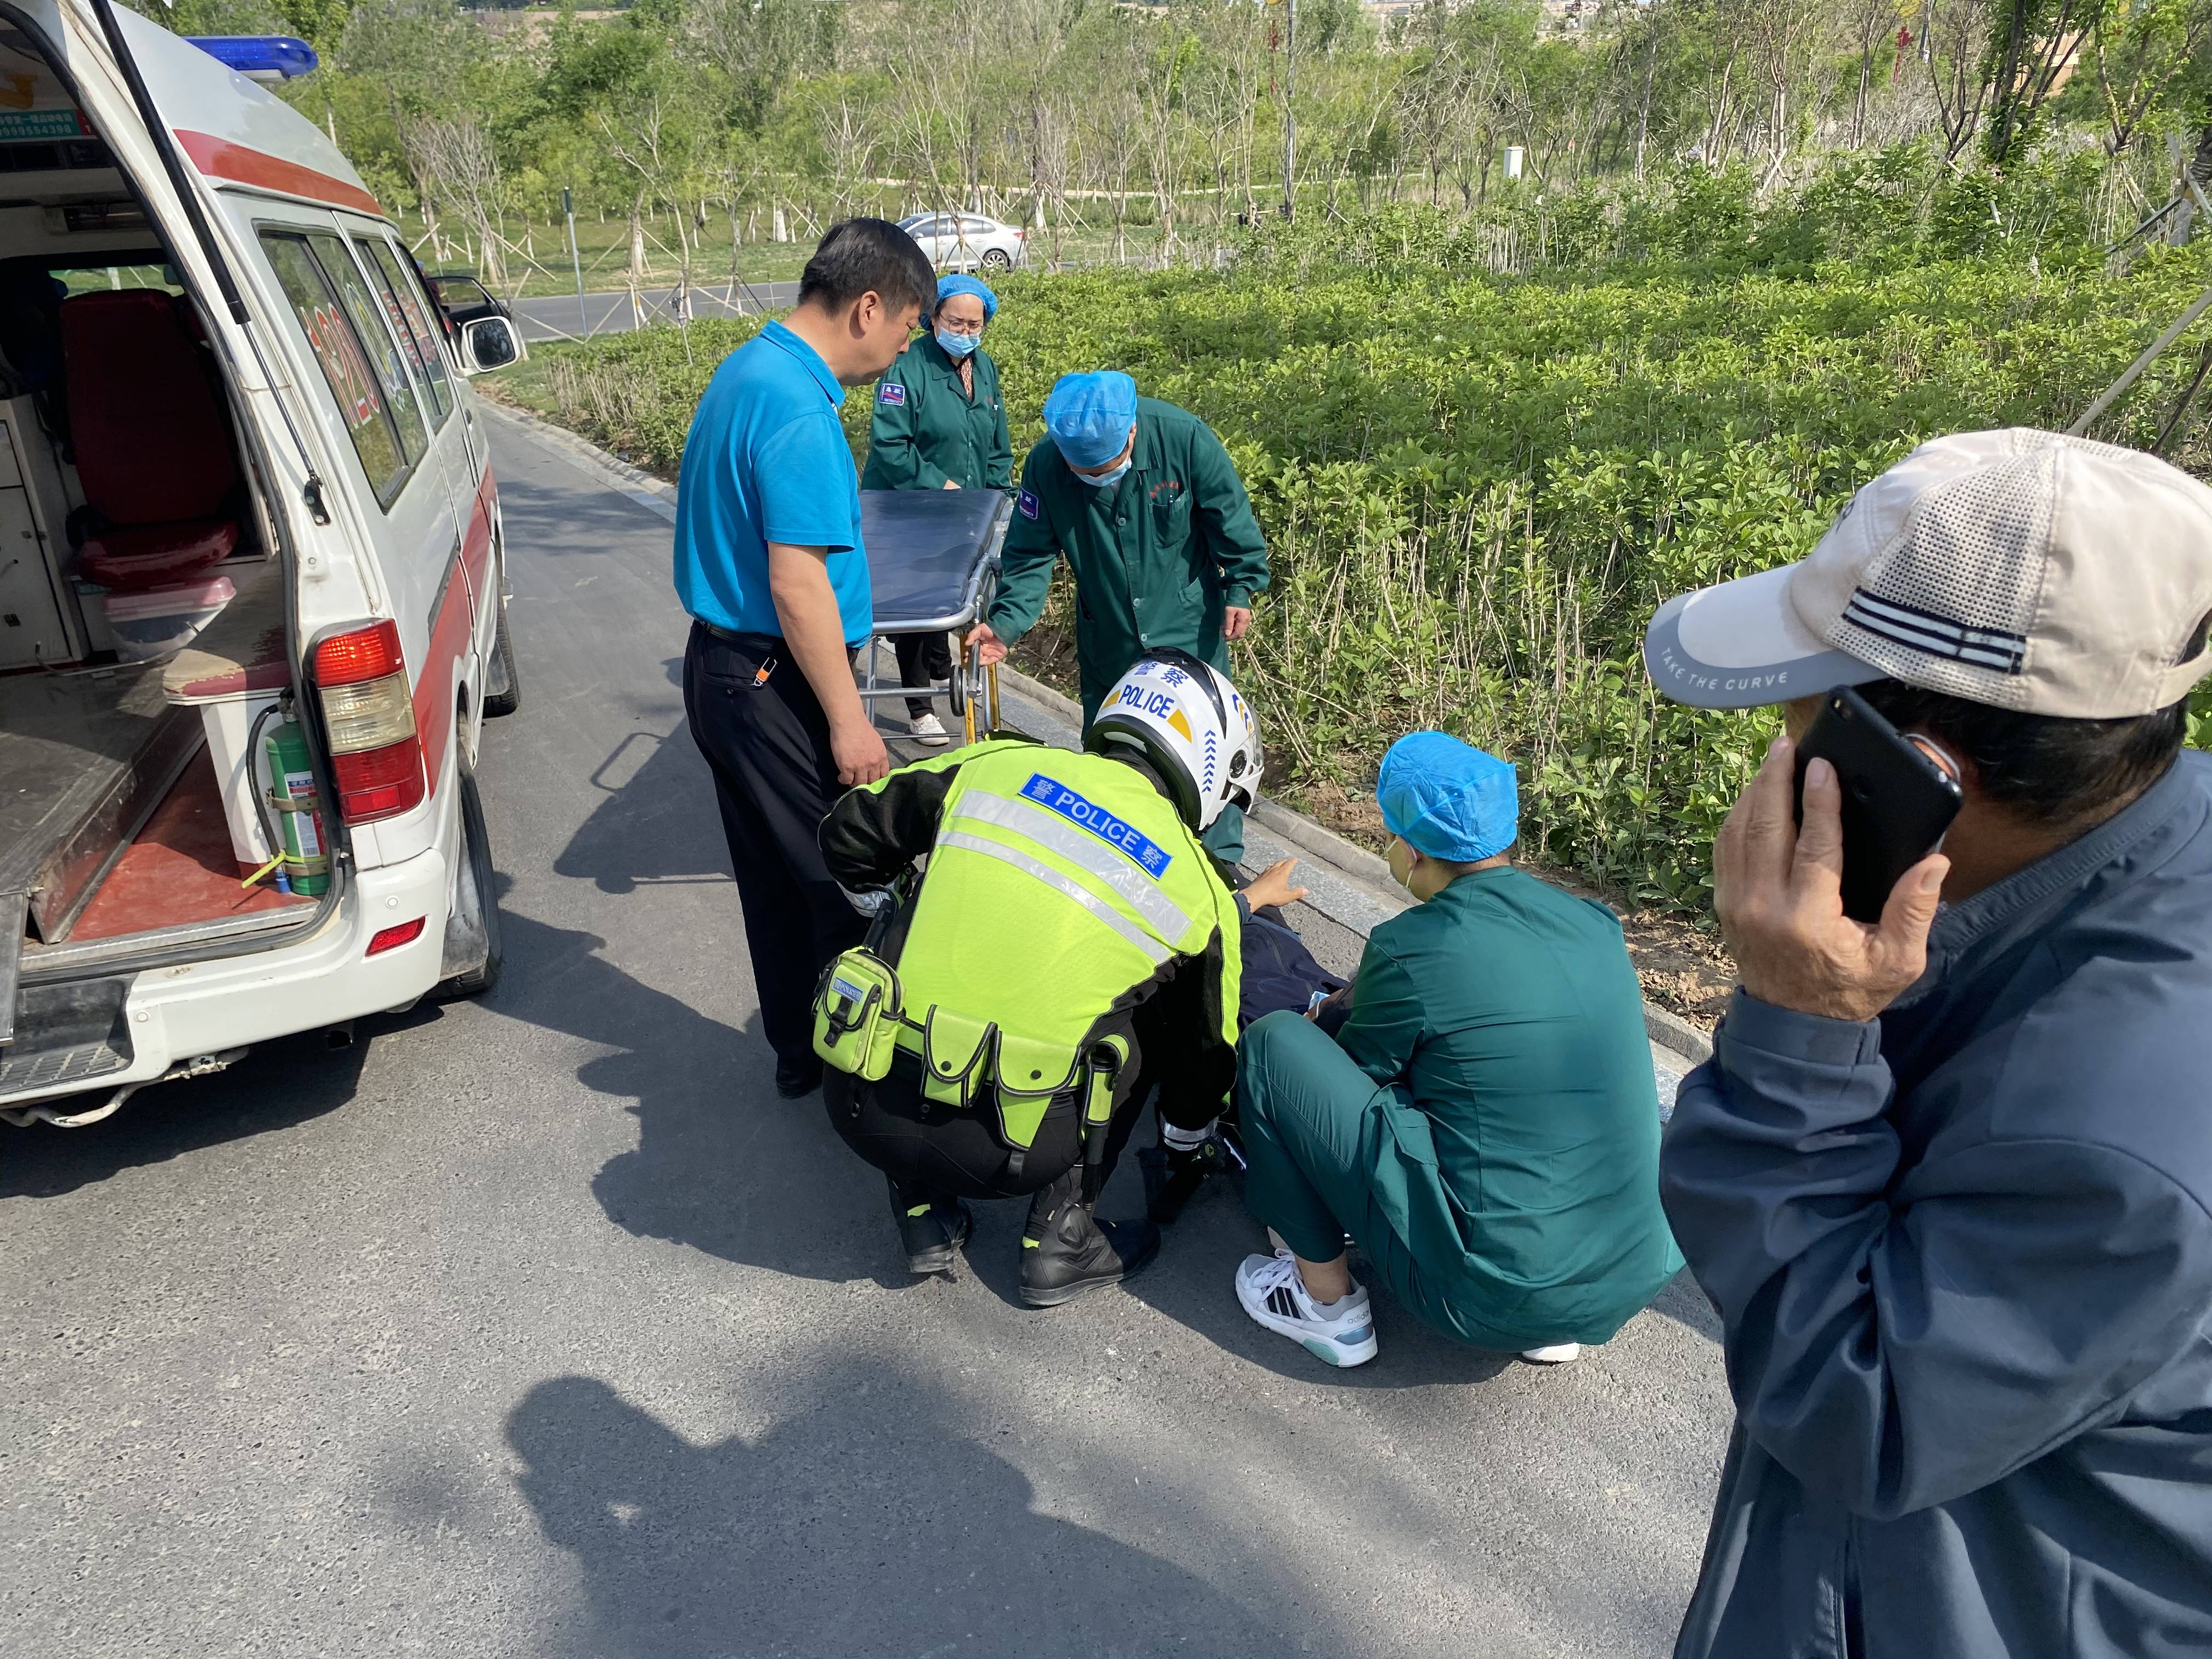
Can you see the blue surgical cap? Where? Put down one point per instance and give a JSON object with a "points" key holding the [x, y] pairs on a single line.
{"points": [[1089, 416], [1447, 799], [956, 283]]}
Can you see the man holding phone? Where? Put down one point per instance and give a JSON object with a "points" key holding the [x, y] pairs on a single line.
{"points": [[1948, 1178]]}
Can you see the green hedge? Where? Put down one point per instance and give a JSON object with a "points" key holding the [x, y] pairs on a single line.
{"points": [[1476, 488]]}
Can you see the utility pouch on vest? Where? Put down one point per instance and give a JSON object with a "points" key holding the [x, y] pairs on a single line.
{"points": [[1031, 1075], [857, 1015], [956, 1056]]}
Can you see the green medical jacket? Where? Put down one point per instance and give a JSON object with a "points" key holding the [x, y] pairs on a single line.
{"points": [[927, 429], [1516, 1143], [1157, 556]]}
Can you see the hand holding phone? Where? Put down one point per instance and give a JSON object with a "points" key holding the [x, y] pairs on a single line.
{"points": [[1899, 796], [1778, 890]]}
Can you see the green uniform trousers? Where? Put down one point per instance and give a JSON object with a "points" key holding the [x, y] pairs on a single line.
{"points": [[1304, 1107]]}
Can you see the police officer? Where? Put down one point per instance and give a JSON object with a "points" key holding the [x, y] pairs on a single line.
{"points": [[1070, 945], [1144, 504], [770, 565], [940, 423]]}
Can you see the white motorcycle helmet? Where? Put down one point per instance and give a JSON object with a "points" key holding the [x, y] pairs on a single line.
{"points": [[1186, 718]]}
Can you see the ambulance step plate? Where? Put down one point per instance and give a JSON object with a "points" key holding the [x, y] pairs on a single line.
{"points": [[67, 1034]]}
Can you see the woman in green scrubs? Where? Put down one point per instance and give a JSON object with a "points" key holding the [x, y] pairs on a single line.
{"points": [[1484, 1121], [940, 424]]}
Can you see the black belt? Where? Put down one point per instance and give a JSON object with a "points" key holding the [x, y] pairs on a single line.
{"points": [[757, 643], [760, 645]]}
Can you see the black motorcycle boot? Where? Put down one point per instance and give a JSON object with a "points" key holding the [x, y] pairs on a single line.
{"points": [[1173, 1178], [1065, 1250], [930, 1229]]}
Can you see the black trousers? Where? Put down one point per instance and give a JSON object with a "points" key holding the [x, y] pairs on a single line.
{"points": [[923, 660], [767, 744], [945, 1152]]}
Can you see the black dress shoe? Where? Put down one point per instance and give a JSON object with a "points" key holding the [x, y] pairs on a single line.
{"points": [[1068, 1252], [797, 1078], [930, 1230]]}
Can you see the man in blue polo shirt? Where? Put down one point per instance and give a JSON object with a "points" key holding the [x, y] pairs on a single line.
{"points": [[770, 565]]}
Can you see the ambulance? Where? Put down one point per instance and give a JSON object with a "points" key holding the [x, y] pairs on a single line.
{"points": [[252, 575]]}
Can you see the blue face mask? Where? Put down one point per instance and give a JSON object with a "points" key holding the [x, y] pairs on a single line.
{"points": [[956, 346], [1099, 481]]}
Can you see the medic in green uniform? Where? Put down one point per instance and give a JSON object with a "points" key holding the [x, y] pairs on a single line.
{"points": [[1069, 945], [1486, 1121], [1144, 503], [940, 424]]}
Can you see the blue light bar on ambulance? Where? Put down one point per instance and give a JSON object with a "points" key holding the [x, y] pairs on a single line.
{"points": [[259, 56]]}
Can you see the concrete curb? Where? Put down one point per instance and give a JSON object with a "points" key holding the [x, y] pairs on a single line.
{"points": [[1670, 1031]]}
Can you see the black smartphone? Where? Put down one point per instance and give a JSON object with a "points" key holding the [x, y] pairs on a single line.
{"points": [[1899, 796]]}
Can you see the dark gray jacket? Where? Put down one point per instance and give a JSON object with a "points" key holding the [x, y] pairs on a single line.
{"points": [[1964, 1256]]}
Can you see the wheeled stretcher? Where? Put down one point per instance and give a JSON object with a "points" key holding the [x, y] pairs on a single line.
{"points": [[933, 566]]}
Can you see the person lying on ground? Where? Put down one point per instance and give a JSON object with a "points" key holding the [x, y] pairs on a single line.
{"points": [[1948, 1178], [1486, 1121], [1070, 945]]}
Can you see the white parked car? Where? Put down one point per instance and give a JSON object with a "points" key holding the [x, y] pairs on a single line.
{"points": [[967, 242], [256, 619]]}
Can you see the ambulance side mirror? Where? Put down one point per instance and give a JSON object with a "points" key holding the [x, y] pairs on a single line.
{"points": [[488, 343]]}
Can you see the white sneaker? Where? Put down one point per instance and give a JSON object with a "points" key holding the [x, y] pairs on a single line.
{"points": [[1274, 1295], [1559, 1353], [929, 730]]}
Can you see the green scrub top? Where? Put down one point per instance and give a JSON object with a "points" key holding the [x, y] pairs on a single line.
{"points": [[1157, 554], [927, 429], [1517, 1144]]}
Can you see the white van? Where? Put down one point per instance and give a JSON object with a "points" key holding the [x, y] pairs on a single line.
{"points": [[246, 521]]}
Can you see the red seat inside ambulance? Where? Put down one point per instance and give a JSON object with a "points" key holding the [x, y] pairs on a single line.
{"points": [[151, 441]]}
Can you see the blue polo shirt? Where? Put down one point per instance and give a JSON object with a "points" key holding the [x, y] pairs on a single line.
{"points": [[766, 460]]}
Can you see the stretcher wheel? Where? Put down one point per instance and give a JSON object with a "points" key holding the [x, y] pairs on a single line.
{"points": [[956, 687]]}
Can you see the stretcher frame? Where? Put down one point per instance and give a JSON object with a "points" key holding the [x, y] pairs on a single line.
{"points": [[972, 685]]}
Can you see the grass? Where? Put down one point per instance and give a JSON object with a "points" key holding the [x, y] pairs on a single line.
{"points": [[1476, 488]]}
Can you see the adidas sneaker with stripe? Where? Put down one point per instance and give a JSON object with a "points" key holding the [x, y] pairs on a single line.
{"points": [[1275, 1297]]}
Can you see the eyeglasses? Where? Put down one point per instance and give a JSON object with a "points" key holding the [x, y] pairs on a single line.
{"points": [[957, 326]]}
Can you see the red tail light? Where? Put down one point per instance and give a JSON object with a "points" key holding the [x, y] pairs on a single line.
{"points": [[366, 654], [391, 939], [370, 717]]}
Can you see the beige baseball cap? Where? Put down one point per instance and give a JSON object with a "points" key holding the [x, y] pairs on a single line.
{"points": [[2019, 568]]}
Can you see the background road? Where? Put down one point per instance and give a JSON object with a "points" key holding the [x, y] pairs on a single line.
{"points": [[558, 317], [538, 1326]]}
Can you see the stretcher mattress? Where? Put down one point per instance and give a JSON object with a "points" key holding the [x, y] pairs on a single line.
{"points": [[926, 548]]}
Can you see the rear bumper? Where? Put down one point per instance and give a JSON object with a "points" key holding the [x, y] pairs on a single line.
{"points": [[178, 1014]]}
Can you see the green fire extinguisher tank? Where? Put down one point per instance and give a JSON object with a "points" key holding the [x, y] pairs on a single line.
{"points": [[306, 865]]}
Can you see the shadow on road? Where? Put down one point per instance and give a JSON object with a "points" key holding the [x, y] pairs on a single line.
{"points": [[1194, 1284], [722, 1164], [655, 820], [279, 1085], [875, 1526]]}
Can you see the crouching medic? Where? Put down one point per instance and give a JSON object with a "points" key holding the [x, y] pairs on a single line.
{"points": [[1069, 945]]}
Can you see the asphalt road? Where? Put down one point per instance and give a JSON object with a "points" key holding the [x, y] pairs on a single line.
{"points": [[538, 1326], [559, 318]]}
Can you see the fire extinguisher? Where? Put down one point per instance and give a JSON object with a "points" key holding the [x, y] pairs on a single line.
{"points": [[306, 866]]}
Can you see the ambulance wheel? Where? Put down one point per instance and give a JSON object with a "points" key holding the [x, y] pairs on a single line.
{"points": [[476, 899], [502, 687]]}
